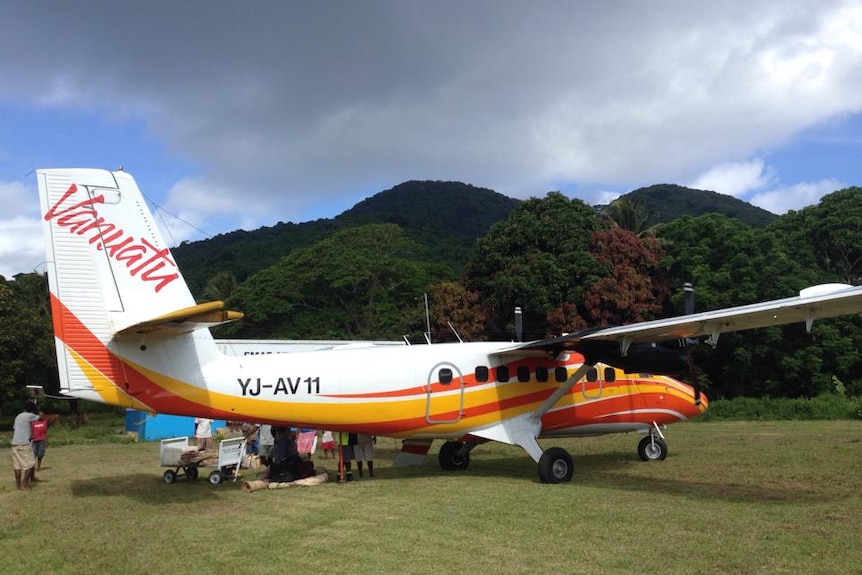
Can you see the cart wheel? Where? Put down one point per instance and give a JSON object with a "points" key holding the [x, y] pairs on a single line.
{"points": [[192, 473], [169, 476], [216, 477]]}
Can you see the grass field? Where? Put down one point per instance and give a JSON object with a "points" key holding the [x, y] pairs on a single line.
{"points": [[769, 497]]}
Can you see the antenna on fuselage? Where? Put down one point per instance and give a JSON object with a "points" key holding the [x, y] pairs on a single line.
{"points": [[689, 298], [455, 331], [519, 325], [427, 321]]}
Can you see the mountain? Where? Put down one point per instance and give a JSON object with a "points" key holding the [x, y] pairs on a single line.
{"points": [[446, 218], [664, 203]]}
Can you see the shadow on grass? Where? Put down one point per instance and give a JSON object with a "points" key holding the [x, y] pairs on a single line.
{"points": [[151, 489], [621, 471]]}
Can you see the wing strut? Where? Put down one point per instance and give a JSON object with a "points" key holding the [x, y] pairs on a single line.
{"points": [[524, 430], [562, 390]]}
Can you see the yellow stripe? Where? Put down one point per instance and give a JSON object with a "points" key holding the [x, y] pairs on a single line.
{"points": [[107, 390]]}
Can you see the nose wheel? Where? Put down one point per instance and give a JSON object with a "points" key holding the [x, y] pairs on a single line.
{"points": [[652, 448]]}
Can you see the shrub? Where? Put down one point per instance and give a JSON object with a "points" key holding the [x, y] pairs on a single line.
{"points": [[824, 406]]}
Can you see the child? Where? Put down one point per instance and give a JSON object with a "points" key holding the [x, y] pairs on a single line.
{"points": [[328, 444], [39, 435]]}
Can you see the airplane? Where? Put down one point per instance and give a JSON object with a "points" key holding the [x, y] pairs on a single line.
{"points": [[129, 333]]}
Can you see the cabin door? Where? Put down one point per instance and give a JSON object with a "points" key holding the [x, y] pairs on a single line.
{"points": [[445, 394]]}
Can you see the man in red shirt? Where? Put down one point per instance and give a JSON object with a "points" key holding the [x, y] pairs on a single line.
{"points": [[39, 435]]}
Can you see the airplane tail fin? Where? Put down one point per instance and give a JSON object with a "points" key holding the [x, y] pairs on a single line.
{"points": [[112, 279]]}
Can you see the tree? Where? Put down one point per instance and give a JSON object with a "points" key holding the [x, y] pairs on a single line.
{"points": [[732, 264], [537, 259], [636, 289], [219, 287], [27, 351], [359, 283], [627, 214], [827, 236], [452, 303]]}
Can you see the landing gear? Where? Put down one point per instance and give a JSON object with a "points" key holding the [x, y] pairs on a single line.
{"points": [[652, 448], [555, 466], [450, 459]]}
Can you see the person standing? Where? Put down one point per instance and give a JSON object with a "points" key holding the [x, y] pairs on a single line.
{"points": [[266, 443], [364, 450], [306, 442], [203, 433], [23, 460], [39, 434], [346, 441], [328, 445]]}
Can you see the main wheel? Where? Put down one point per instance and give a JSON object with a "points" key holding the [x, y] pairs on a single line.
{"points": [[192, 473], [169, 476], [555, 466], [652, 449], [449, 458], [216, 477]]}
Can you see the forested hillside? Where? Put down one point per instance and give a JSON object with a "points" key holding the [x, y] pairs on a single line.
{"points": [[666, 202], [445, 218]]}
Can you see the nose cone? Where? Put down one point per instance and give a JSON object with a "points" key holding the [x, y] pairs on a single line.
{"points": [[699, 407]]}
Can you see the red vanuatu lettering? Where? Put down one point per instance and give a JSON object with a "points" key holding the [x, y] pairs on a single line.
{"points": [[139, 256]]}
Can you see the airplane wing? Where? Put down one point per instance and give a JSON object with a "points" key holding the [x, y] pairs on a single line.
{"points": [[817, 302]]}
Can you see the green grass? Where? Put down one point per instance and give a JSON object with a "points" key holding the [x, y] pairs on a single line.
{"points": [[765, 497]]}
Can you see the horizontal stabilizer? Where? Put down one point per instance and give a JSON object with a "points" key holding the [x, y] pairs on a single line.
{"points": [[200, 316]]}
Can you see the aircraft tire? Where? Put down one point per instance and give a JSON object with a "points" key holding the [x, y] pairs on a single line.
{"points": [[555, 466], [449, 458], [652, 450], [169, 476]]}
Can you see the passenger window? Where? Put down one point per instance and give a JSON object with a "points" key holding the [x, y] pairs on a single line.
{"points": [[542, 374], [503, 373], [482, 373], [523, 373], [610, 374], [593, 375], [445, 376], [561, 374]]}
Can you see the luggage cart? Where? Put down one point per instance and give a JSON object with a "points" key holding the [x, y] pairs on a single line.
{"points": [[177, 453], [230, 456]]}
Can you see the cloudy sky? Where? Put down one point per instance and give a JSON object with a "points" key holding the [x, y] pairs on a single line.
{"points": [[242, 114]]}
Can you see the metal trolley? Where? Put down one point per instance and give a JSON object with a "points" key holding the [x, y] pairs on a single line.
{"points": [[177, 454], [230, 455]]}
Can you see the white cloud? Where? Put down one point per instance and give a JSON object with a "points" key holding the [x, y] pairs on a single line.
{"points": [[735, 178], [22, 248], [795, 197]]}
